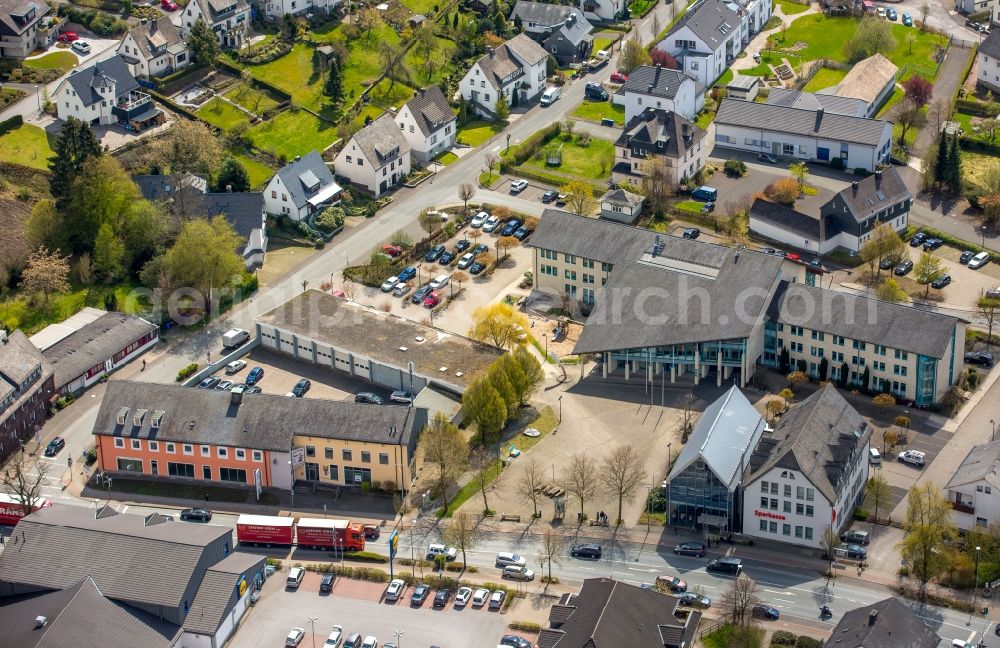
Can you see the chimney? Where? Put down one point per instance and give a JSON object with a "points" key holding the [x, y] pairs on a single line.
{"points": [[236, 396], [229, 188], [854, 187], [489, 51], [656, 245], [872, 617]]}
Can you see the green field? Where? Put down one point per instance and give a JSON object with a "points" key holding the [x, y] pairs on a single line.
{"points": [[442, 63], [64, 61], [825, 78], [425, 7], [363, 64], [18, 312], [249, 99], [767, 58], [394, 97], [726, 77], [27, 145], [446, 158], [294, 74], [259, 173], [291, 133], [593, 162], [790, 8], [368, 111], [222, 114], [894, 98], [598, 110], [477, 132], [602, 44]]}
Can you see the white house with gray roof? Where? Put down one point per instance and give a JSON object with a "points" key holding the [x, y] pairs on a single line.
{"points": [[974, 489], [376, 158], [563, 31], [653, 86], [229, 19], [515, 69], [106, 93], [811, 134], [21, 27], [301, 187], [276, 9], [428, 124], [871, 80], [154, 48], [988, 61], [602, 10], [707, 39], [621, 206]]}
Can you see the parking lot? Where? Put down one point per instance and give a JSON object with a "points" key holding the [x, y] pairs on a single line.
{"points": [[357, 606]]}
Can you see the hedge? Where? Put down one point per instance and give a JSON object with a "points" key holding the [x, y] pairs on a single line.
{"points": [[12, 123], [972, 107], [222, 63], [186, 372], [366, 556], [176, 107], [990, 148], [521, 153], [956, 242], [163, 83], [102, 24]]}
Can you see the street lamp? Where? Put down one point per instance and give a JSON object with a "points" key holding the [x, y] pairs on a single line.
{"points": [[545, 336], [649, 508], [975, 589], [982, 231], [312, 626], [560, 408], [397, 634], [993, 434]]}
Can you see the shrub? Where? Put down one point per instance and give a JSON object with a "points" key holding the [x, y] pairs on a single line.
{"points": [[838, 164], [860, 514], [10, 124], [366, 556], [186, 372], [735, 168], [782, 638], [802, 641], [783, 191], [525, 626]]}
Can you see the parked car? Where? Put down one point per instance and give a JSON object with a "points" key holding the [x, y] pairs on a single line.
{"points": [[497, 599], [491, 224], [932, 244], [889, 262], [918, 239], [335, 637], [369, 642], [762, 611], [353, 641], [592, 551], [441, 597], [476, 268], [728, 565], [372, 531], [68, 37], [326, 584], [550, 196], [856, 536], [446, 258], [515, 641], [54, 446], [478, 220], [168, 5], [891, 14], [235, 366], [196, 515], [434, 253], [980, 358], [693, 599], [295, 576], [467, 259], [252, 389], [301, 387], [913, 457], [690, 549], [941, 281], [708, 207], [81, 47], [432, 299], [368, 397], [400, 396], [506, 559], [595, 92], [966, 257], [522, 233], [479, 249], [979, 260], [705, 194], [391, 250], [510, 227], [295, 637], [691, 233], [907, 19], [480, 597], [517, 572], [903, 268], [618, 77], [519, 185], [407, 273], [462, 245], [439, 282], [255, 375], [225, 385], [436, 549], [672, 583], [463, 596], [420, 294], [853, 551], [401, 289], [389, 284], [420, 593], [767, 157], [209, 383]]}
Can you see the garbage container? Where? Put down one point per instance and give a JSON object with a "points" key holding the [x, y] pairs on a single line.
{"points": [[606, 121]]}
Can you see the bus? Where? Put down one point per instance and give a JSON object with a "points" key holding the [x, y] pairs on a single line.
{"points": [[11, 510]]}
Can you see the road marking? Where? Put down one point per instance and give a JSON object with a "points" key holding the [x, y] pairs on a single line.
{"points": [[785, 601], [777, 592], [642, 570]]}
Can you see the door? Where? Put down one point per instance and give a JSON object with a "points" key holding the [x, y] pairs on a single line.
{"points": [[312, 472], [154, 467], [206, 472], [822, 154]]}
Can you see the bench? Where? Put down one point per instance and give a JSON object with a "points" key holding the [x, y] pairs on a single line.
{"points": [[504, 517], [598, 523]]}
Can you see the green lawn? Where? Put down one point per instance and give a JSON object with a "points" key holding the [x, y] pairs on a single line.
{"points": [[291, 133], [726, 77], [825, 78], [425, 7], [705, 118], [602, 43], [363, 64], [368, 111], [772, 58], [294, 74], [394, 97], [222, 114], [446, 158], [790, 8], [64, 61], [476, 132], [18, 312], [826, 36], [598, 110], [723, 637], [974, 166], [593, 162], [27, 145], [259, 173], [442, 63], [248, 99], [692, 206]]}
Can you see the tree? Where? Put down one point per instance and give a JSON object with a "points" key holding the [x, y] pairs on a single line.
{"points": [[85, 270], [462, 533], [501, 110], [393, 66], [989, 310], [890, 291], [928, 526], [491, 160], [203, 256], [530, 483], [797, 378], [498, 378], [941, 159], [103, 193], [505, 243], [401, 238], [233, 176], [523, 371], [799, 171], [75, 144], [927, 270], [774, 407], [824, 368], [109, 252], [925, 9], [663, 59], [657, 184], [884, 243], [424, 45], [466, 191], [551, 549], [884, 401], [909, 116], [499, 324], [45, 272], [429, 221], [634, 55], [580, 197], [23, 480], [333, 87], [829, 542], [188, 147], [738, 600], [580, 478], [202, 43], [953, 177], [871, 36], [783, 191], [45, 226], [485, 407], [918, 90], [447, 453], [878, 495], [622, 474], [485, 468], [787, 395]]}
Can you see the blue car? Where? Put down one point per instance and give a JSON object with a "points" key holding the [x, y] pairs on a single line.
{"points": [[510, 227], [407, 273], [765, 612], [422, 292], [255, 375], [907, 19], [446, 258], [435, 253]]}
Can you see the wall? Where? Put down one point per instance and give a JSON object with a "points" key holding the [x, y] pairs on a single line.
{"points": [[684, 102], [803, 148], [785, 514], [329, 454], [19, 420]]}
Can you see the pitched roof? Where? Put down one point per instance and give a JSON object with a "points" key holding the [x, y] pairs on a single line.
{"points": [[243, 209], [211, 603], [660, 132], [299, 177], [381, 141], [723, 438], [590, 238], [869, 195], [258, 421], [430, 109], [93, 344], [821, 437], [867, 78], [894, 625], [508, 58], [541, 13], [18, 358], [155, 33], [656, 81], [861, 318], [712, 21], [608, 614], [982, 463], [11, 8], [102, 74], [165, 187], [991, 45], [784, 217], [833, 104], [799, 121], [576, 29], [622, 197], [525, 49], [81, 616], [214, 10]]}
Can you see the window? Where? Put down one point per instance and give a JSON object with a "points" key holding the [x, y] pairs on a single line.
{"points": [[569, 258], [860, 346], [180, 469], [188, 449], [346, 455], [809, 533], [366, 456], [763, 525], [763, 487], [136, 444], [901, 355], [206, 472], [838, 340], [233, 475], [786, 529], [154, 446], [334, 472], [879, 350], [786, 506], [810, 495], [223, 453], [119, 442], [788, 490], [241, 454], [798, 532], [383, 458], [795, 330], [809, 510], [570, 274], [131, 465], [206, 451], [817, 335], [799, 509], [588, 263], [310, 451], [774, 504], [258, 456], [773, 527], [349, 160], [989, 490], [763, 502], [800, 492], [171, 449], [328, 453]]}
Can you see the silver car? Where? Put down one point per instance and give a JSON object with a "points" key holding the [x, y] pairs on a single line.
{"points": [[400, 396]]}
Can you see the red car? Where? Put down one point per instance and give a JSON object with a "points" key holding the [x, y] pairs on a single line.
{"points": [[791, 256], [392, 250], [168, 5], [432, 300], [68, 37], [619, 77]]}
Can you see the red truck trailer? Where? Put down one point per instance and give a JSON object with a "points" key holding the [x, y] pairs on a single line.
{"points": [[11, 509], [265, 530], [323, 534]]}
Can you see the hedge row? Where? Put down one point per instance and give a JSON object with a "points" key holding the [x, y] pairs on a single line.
{"points": [[523, 152], [10, 124], [165, 83], [173, 105], [990, 148], [226, 65], [972, 107], [956, 242]]}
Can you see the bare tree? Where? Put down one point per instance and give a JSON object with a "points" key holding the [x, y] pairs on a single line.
{"points": [[737, 602], [829, 542], [444, 449], [484, 472], [466, 191], [21, 483], [491, 160], [988, 309], [429, 221], [580, 478], [552, 548], [530, 483], [878, 495], [46, 272], [462, 533], [621, 476]]}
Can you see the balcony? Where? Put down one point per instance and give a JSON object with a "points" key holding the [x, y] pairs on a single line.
{"points": [[964, 508], [135, 103]]}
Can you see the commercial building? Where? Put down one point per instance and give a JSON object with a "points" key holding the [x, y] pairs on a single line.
{"points": [[26, 388], [974, 489], [388, 350], [103, 579], [890, 623]]}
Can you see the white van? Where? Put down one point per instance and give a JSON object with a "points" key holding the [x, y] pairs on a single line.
{"points": [[294, 579], [874, 458], [550, 95]]}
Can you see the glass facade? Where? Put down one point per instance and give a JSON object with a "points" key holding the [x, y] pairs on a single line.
{"points": [[926, 379], [697, 490]]}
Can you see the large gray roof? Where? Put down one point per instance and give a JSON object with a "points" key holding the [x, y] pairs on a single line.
{"points": [[869, 195], [655, 131], [93, 344], [982, 463], [541, 13], [430, 109], [18, 358], [656, 81], [259, 421], [590, 238], [800, 121], [895, 625], [293, 173], [784, 217], [861, 318], [111, 71], [713, 21], [381, 141], [831, 103], [150, 34], [991, 45], [10, 8], [211, 603], [821, 437], [723, 438]]}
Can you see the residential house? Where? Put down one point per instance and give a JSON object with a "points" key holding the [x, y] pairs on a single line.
{"points": [[376, 158], [428, 124], [808, 134], [871, 80], [707, 39], [562, 30], [808, 473], [516, 69], [539, 19], [303, 186], [229, 19], [756, 13], [22, 29], [602, 10], [988, 62], [743, 87], [890, 623], [606, 612], [653, 86], [967, 7], [830, 104], [154, 48], [278, 9], [482, 7], [26, 389], [972, 488], [105, 93], [621, 206], [663, 138]]}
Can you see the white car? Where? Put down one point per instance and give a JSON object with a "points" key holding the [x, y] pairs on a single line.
{"points": [[979, 260], [81, 47], [480, 597], [395, 590], [449, 553], [401, 289], [400, 396], [517, 572], [478, 220], [439, 282], [491, 224], [295, 637], [369, 642], [336, 635], [389, 284], [467, 259], [496, 599], [519, 185], [506, 559], [463, 596], [235, 366], [914, 457]]}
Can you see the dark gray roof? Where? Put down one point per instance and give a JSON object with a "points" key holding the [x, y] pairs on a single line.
{"points": [[822, 437], [800, 121], [860, 318], [745, 82], [831, 103], [81, 616], [244, 210], [895, 625], [112, 71], [129, 561], [784, 217], [211, 603], [508, 58], [544, 14], [991, 45], [982, 463], [96, 342], [292, 177], [18, 358], [713, 21], [10, 8], [151, 34], [215, 10], [660, 132], [590, 238], [259, 421], [381, 141], [430, 109], [870, 195], [165, 187], [622, 197], [608, 614], [576, 29], [656, 81]]}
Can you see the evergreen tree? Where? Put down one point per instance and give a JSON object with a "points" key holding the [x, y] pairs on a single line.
{"points": [[783, 360], [334, 82], [824, 367], [203, 44], [463, 111], [518, 24], [954, 172], [74, 145], [454, 21], [866, 379], [502, 108], [233, 175], [845, 375]]}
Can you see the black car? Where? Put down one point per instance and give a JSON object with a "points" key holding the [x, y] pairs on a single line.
{"points": [[592, 551], [55, 445], [966, 257], [514, 641], [903, 268], [550, 196], [479, 249], [690, 549], [980, 358], [301, 387], [761, 611], [326, 585], [853, 551], [446, 258], [918, 239], [368, 397], [595, 92], [522, 233], [419, 594], [889, 262], [476, 268], [441, 597], [932, 244], [462, 246], [691, 233], [421, 294], [510, 227], [196, 515], [434, 253], [941, 281]]}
